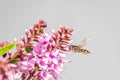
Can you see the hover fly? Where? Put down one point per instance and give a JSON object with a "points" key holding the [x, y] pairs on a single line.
{"points": [[78, 48]]}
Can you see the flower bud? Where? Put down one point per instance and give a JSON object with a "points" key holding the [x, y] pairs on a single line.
{"points": [[26, 32], [54, 37], [28, 37], [65, 28], [59, 31], [68, 35], [31, 30], [23, 39], [63, 46], [53, 45], [71, 30], [68, 41], [36, 25], [65, 49], [43, 23], [62, 37], [15, 40]]}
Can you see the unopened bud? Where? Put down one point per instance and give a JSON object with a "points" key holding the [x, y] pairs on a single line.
{"points": [[15, 40], [20, 43], [42, 23], [68, 36], [54, 37], [65, 28], [62, 37], [53, 31], [21, 49], [23, 39], [36, 25], [65, 49], [31, 30], [28, 37], [26, 32], [71, 30], [53, 46], [63, 46]]}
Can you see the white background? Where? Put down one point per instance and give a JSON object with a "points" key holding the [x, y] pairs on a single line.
{"points": [[97, 18]]}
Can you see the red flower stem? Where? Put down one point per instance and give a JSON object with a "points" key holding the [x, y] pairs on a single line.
{"points": [[13, 56], [32, 73]]}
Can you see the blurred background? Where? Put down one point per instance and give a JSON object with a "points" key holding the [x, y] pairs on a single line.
{"points": [[99, 19]]}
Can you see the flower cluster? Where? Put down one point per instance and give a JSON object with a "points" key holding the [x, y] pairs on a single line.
{"points": [[7, 71], [39, 56]]}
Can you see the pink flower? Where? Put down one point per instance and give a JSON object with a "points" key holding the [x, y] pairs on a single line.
{"points": [[40, 56], [7, 71], [50, 61]]}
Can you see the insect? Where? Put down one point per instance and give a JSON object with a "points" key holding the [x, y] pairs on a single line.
{"points": [[78, 48]]}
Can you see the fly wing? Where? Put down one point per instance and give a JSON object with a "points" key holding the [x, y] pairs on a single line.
{"points": [[85, 41]]}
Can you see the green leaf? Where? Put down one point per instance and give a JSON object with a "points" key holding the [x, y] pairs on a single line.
{"points": [[14, 61], [28, 49], [7, 48]]}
